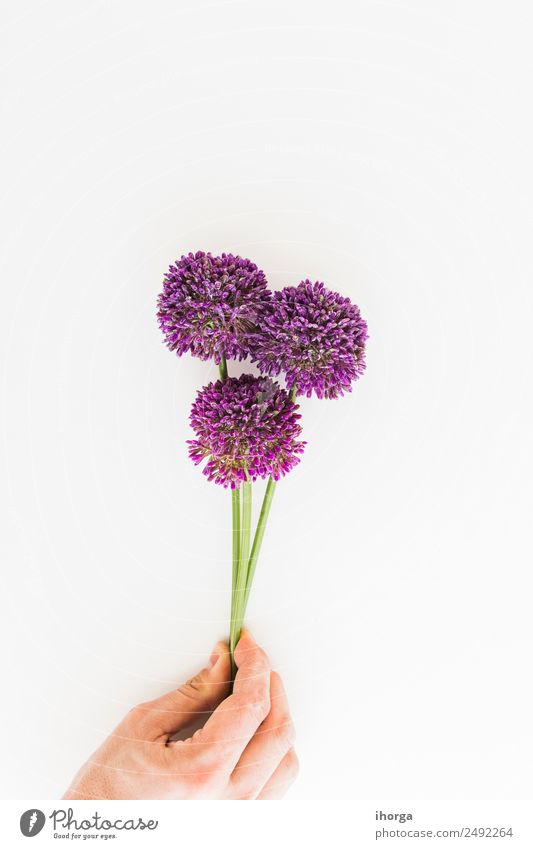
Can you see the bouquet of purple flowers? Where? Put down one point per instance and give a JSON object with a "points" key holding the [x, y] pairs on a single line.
{"points": [[247, 427]]}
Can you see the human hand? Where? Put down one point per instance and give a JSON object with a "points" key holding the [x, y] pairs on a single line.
{"points": [[243, 751]]}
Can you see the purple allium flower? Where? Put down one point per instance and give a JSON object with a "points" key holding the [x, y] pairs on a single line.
{"points": [[210, 303], [244, 425], [315, 336]]}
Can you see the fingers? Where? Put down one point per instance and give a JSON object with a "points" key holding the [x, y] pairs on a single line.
{"points": [[282, 778], [181, 707], [268, 747], [220, 743]]}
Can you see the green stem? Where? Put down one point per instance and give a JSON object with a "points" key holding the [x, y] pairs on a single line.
{"points": [[223, 368], [242, 571], [246, 521], [258, 538], [236, 539]]}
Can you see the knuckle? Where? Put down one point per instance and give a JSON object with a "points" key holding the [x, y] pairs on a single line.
{"points": [[262, 658], [260, 661], [137, 713], [192, 689], [196, 778], [201, 780], [253, 706], [257, 708], [284, 734]]}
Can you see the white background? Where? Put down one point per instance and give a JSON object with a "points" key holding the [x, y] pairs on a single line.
{"points": [[385, 148]]}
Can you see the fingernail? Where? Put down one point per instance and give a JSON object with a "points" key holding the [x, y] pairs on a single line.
{"points": [[213, 659]]}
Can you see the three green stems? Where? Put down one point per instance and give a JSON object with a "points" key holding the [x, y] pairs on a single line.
{"points": [[244, 560]]}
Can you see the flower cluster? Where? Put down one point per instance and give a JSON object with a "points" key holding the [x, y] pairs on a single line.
{"points": [[218, 307], [313, 335], [246, 428], [209, 304]]}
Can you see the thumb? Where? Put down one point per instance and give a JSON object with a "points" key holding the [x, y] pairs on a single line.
{"points": [[189, 703]]}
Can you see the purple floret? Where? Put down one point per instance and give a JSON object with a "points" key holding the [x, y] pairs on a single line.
{"points": [[246, 427], [209, 305], [315, 336]]}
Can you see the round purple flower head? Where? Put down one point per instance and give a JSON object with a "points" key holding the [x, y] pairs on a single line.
{"points": [[210, 303], [315, 336], [246, 427]]}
